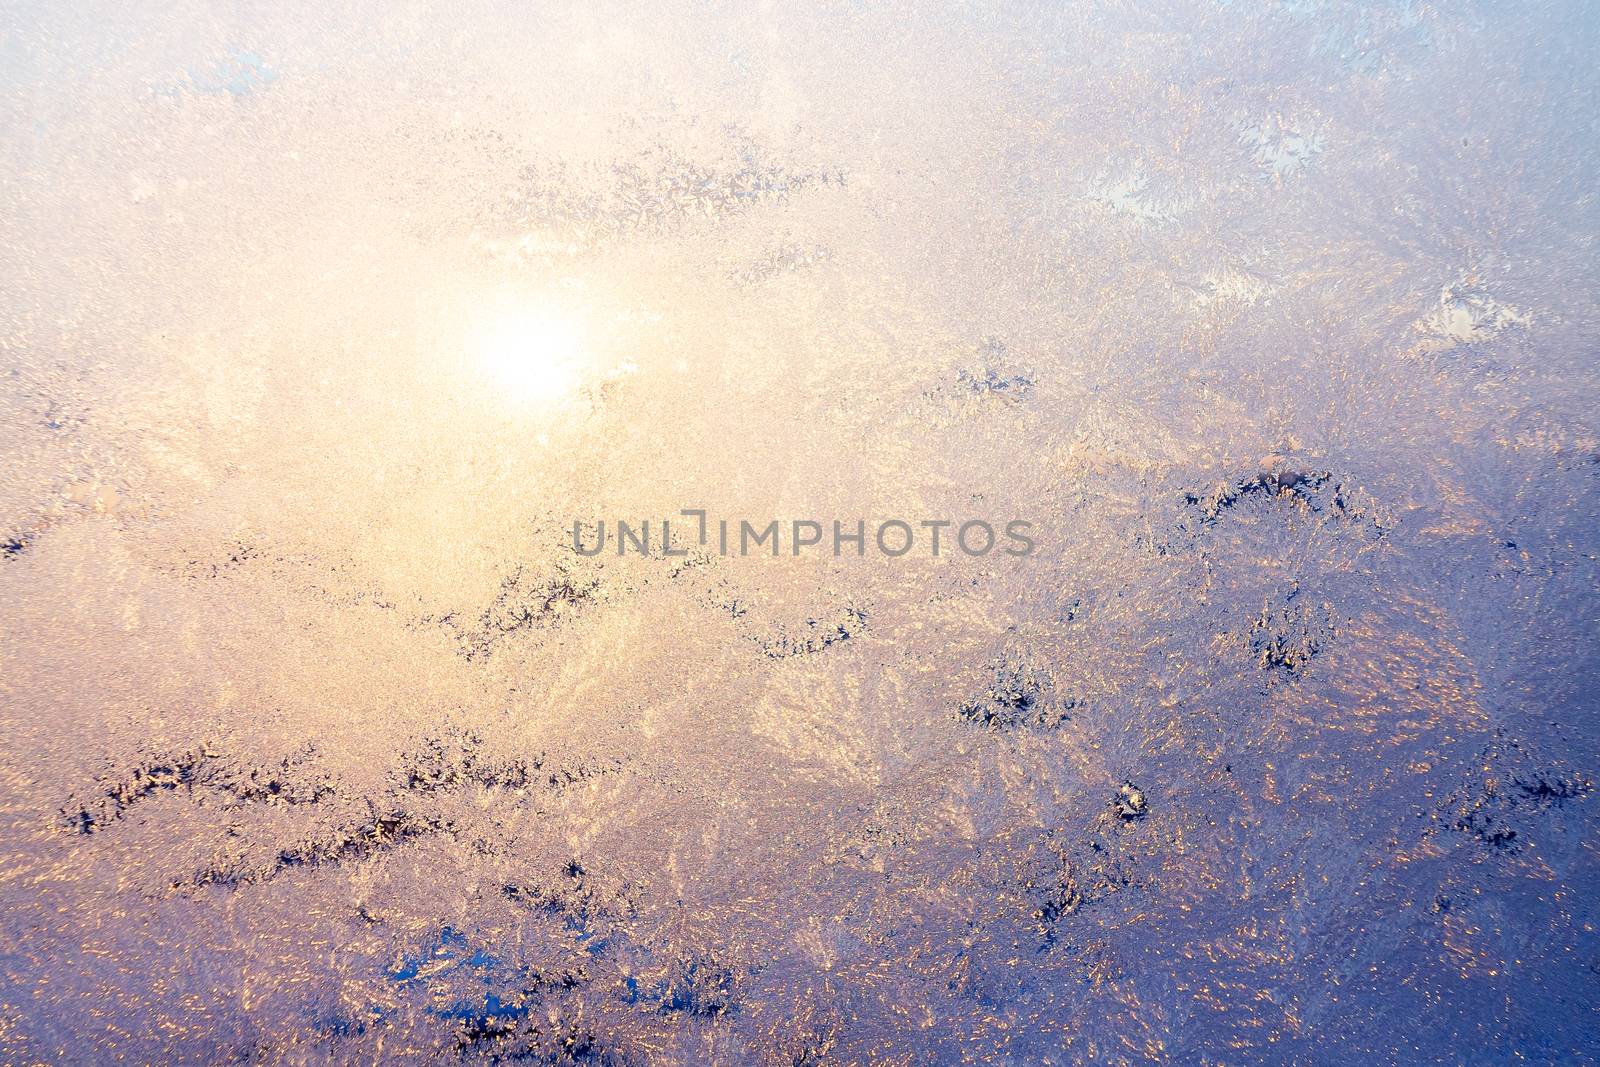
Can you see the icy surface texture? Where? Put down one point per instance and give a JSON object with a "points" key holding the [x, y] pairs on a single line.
{"points": [[321, 743]]}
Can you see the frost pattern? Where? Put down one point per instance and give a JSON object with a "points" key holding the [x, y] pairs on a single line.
{"points": [[323, 324]]}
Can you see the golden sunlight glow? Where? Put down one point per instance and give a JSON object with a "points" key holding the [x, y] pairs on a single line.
{"points": [[532, 353]]}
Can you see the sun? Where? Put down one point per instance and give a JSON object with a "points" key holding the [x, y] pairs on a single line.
{"points": [[532, 353]]}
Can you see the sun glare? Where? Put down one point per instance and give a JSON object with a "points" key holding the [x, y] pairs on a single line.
{"points": [[532, 354]]}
